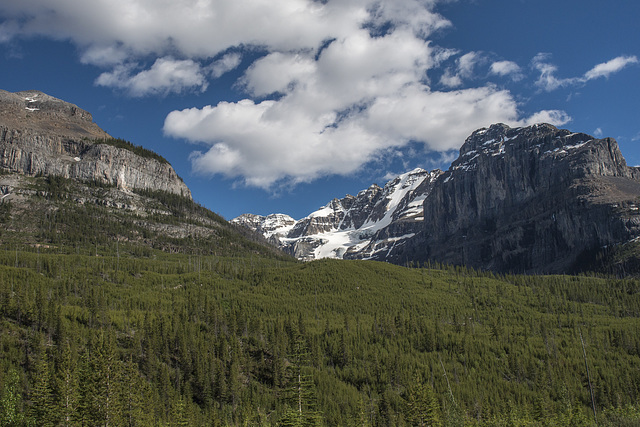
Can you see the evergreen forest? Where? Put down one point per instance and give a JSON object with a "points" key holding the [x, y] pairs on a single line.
{"points": [[105, 321]]}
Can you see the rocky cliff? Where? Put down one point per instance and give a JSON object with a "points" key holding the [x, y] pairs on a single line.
{"points": [[535, 199], [42, 135]]}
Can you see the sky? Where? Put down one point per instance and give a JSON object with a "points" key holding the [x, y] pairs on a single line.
{"points": [[266, 106]]}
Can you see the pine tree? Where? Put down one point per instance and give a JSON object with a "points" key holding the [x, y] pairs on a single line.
{"points": [[67, 388], [42, 407], [179, 413], [135, 397], [11, 400], [422, 407], [301, 396], [104, 393]]}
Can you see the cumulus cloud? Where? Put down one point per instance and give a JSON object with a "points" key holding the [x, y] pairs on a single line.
{"points": [[506, 68], [165, 76], [318, 127], [464, 70], [467, 63], [271, 141], [450, 80], [205, 28], [554, 117], [333, 84]]}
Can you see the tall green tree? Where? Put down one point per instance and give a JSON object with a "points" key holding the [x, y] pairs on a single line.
{"points": [[302, 407], [67, 387], [422, 408], [11, 404], [42, 408], [105, 389]]}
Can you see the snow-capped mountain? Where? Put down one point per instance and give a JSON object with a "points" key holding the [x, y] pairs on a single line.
{"points": [[375, 220]]}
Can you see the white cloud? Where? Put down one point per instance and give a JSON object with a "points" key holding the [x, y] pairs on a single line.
{"points": [[275, 72], [450, 80], [165, 76], [467, 63], [549, 82], [205, 28], [553, 117], [506, 68], [104, 56], [339, 83], [225, 64], [610, 67], [465, 66], [598, 133], [294, 140]]}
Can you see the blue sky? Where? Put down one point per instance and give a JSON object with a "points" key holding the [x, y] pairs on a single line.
{"points": [[267, 106]]}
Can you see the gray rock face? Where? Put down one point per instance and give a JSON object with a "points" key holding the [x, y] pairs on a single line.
{"points": [[40, 134], [535, 199]]}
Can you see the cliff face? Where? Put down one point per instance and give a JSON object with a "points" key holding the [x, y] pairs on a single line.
{"points": [[40, 134], [534, 199]]}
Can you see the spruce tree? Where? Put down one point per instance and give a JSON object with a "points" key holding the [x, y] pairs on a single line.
{"points": [[11, 410], [67, 387]]}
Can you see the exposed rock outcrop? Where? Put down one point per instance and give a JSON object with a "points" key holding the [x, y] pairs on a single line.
{"points": [[42, 135], [535, 199]]}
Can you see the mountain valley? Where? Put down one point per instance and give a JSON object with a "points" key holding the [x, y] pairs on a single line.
{"points": [[124, 302]]}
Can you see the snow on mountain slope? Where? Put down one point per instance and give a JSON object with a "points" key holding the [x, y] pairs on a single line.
{"points": [[354, 226]]}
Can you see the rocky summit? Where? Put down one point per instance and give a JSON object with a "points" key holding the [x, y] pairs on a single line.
{"points": [[43, 135], [535, 199]]}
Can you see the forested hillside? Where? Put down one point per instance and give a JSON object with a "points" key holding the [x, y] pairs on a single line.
{"points": [[99, 336]]}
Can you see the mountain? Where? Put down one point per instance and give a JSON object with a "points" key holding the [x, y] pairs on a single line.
{"points": [[354, 227], [534, 199], [64, 182], [43, 135]]}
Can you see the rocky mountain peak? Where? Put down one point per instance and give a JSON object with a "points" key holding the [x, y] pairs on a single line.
{"points": [[34, 111], [43, 135], [532, 199], [354, 226]]}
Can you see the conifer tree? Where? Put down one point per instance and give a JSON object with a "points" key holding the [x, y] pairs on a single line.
{"points": [[301, 397], [42, 406], [422, 407], [104, 400], [67, 388], [11, 411]]}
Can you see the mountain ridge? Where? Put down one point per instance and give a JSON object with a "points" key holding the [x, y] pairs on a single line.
{"points": [[534, 199], [43, 135], [353, 227], [66, 183]]}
